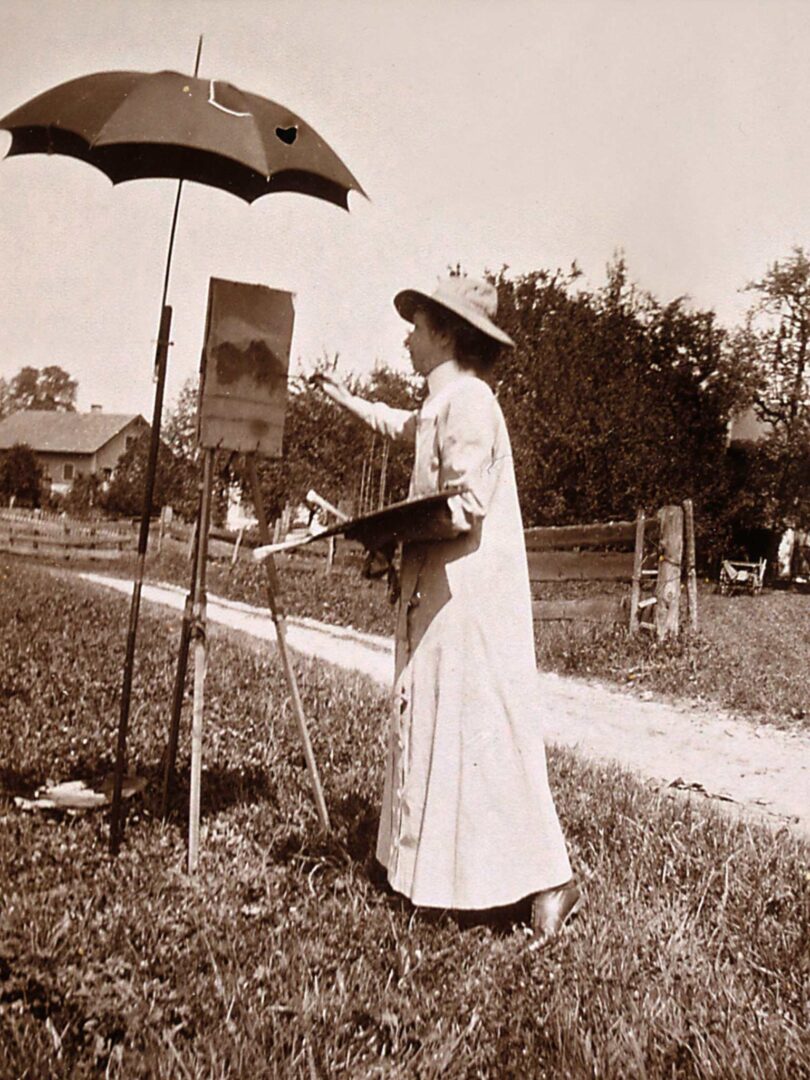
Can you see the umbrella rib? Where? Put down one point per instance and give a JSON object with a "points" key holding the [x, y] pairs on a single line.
{"points": [[212, 100]]}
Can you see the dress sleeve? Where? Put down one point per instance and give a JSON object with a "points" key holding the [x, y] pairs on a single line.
{"points": [[468, 431], [397, 424]]}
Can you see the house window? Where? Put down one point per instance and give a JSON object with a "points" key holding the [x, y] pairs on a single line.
{"points": [[67, 471], [130, 441]]}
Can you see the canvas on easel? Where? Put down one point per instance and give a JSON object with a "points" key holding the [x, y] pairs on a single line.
{"points": [[243, 376]]}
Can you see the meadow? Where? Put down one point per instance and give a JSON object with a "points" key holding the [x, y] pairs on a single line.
{"points": [[286, 955]]}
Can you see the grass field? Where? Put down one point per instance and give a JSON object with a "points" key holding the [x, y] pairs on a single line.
{"points": [[286, 955], [750, 656]]}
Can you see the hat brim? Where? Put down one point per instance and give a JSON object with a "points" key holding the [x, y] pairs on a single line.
{"points": [[409, 300]]}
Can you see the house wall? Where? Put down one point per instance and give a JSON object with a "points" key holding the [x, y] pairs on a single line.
{"points": [[53, 467], [105, 458]]}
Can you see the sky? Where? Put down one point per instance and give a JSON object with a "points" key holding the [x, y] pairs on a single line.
{"points": [[522, 133]]}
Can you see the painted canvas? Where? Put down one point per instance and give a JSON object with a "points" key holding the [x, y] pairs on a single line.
{"points": [[243, 377]]}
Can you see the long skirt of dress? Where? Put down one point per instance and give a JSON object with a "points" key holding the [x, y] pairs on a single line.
{"points": [[468, 820]]}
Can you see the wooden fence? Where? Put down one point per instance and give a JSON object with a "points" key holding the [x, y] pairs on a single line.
{"points": [[25, 532], [647, 554]]}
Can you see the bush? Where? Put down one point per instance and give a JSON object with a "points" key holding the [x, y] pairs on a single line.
{"points": [[20, 475]]}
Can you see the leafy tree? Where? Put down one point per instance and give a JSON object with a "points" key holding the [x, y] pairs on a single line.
{"points": [[179, 428], [126, 489], [179, 432], [85, 495], [5, 399], [20, 475], [773, 351], [326, 449], [50, 388], [613, 400], [179, 469], [776, 339]]}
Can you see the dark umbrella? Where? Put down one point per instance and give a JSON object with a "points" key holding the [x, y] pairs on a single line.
{"points": [[131, 125]]}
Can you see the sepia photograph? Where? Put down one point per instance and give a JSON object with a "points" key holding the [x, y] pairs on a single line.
{"points": [[404, 539]]}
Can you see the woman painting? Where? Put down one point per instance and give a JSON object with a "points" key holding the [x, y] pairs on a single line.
{"points": [[467, 821]]}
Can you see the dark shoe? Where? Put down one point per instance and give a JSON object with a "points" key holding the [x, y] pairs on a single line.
{"points": [[552, 908]]}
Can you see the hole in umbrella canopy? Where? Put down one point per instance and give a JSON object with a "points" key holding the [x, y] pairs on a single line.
{"points": [[287, 135]]}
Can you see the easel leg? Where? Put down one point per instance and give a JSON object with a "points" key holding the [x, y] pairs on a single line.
{"points": [[280, 622], [198, 637]]}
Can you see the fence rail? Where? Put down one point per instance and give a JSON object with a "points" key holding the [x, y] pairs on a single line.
{"points": [[56, 524], [25, 533], [646, 553]]}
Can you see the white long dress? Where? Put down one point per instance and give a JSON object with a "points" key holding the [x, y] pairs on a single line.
{"points": [[467, 821]]}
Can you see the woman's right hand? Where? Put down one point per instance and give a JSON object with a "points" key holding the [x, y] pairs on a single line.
{"points": [[331, 387]]}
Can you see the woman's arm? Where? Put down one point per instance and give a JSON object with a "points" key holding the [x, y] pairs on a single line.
{"points": [[468, 435], [397, 424]]}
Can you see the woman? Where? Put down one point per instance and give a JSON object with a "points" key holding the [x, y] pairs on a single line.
{"points": [[467, 819]]}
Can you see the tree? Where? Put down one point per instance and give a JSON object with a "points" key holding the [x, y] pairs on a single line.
{"points": [[773, 350], [179, 432], [613, 400], [328, 450], [20, 475], [776, 338], [84, 496], [5, 399], [178, 473], [126, 490], [49, 388]]}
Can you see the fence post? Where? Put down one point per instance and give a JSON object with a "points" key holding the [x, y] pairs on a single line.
{"points": [[330, 554], [668, 586], [237, 545], [638, 558], [691, 573], [191, 541]]}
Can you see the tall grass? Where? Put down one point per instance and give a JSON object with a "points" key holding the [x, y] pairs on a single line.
{"points": [[287, 955]]}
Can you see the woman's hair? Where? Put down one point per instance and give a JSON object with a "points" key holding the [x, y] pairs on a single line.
{"points": [[473, 349]]}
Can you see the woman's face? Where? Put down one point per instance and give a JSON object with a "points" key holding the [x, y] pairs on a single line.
{"points": [[427, 347]]}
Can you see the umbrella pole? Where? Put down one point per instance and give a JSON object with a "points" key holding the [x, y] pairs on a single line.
{"points": [[280, 623], [161, 357]]}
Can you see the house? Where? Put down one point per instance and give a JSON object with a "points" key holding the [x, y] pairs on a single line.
{"points": [[71, 444]]}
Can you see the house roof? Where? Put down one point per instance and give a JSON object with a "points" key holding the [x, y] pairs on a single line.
{"points": [[63, 432]]}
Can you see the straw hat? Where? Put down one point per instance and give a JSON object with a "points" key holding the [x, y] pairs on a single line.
{"points": [[473, 300]]}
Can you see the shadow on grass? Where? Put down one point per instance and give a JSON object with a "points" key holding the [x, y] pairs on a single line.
{"points": [[352, 839], [222, 789]]}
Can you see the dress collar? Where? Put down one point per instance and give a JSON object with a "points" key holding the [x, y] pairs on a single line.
{"points": [[442, 376]]}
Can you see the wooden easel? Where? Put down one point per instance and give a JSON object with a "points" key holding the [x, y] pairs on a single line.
{"points": [[193, 634], [243, 388]]}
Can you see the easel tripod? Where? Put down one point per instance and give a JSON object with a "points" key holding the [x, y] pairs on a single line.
{"points": [[194, 632]]}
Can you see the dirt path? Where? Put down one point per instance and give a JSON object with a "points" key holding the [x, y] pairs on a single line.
{"points": [[761, 771]]}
